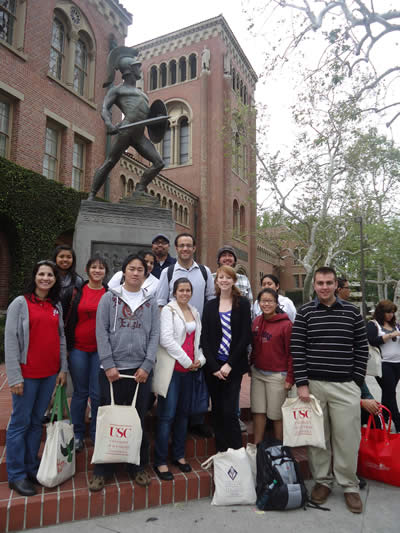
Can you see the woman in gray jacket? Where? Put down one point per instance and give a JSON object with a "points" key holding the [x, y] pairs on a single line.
{"points": [[36, 360]]}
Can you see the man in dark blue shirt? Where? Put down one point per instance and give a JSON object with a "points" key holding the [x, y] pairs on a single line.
{"points": [[160, 246]]}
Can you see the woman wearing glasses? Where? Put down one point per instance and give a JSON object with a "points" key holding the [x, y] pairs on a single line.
{"points": [[36, 360], [271, 364]]}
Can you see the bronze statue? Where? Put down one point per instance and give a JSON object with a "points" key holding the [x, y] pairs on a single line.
{"points": [[134, 104]]}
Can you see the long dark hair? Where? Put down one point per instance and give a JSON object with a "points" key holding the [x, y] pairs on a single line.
{"points": [[235, 291], [54, 292], [385, 306], [68, 248]]}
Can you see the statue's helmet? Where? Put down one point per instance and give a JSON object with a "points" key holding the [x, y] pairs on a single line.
{"points": [[120, 58]]}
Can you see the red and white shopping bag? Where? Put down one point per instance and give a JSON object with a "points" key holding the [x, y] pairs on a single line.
{"points": [[303, 423], [118, 432]]}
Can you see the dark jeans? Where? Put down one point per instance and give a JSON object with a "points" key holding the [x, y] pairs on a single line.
{"points": [[24, 431], [173, 410], [224, 400], [388, 383], [124, 389]]}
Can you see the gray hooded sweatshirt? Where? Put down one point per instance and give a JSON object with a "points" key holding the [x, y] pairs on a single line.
{"points": [[127, 338]]}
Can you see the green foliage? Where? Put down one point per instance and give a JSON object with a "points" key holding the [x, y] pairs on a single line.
{"points": [[34, 211]]}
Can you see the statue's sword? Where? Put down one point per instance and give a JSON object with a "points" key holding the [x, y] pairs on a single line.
{"points": [[146, 122]]}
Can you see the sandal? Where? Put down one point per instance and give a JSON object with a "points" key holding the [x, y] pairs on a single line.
{"points": [[142, 478], [96, 483]]}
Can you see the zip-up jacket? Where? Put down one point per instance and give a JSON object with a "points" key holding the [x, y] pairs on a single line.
{"points": [[127, 338], [271, 345]]}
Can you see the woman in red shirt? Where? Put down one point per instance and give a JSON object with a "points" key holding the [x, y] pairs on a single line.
{"points": [[35, 351], [271, 364], [83, 360]]}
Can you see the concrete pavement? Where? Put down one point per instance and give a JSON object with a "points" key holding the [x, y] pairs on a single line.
{"points": [[381, 515]]}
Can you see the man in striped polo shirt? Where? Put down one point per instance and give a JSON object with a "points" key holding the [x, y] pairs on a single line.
{"points": [[330, 352]]}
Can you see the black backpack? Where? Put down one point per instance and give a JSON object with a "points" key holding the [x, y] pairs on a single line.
{"points": [[280, 485]]}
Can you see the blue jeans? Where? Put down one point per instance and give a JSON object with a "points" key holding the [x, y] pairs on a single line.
{"points": [[173, 410], [24, 432], [84, 369]]}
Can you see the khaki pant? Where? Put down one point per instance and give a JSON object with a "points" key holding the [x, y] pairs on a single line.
{"points": [[340, 403]]}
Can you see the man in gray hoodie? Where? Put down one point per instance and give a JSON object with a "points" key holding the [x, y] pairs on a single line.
{"points": [[127, 332]]}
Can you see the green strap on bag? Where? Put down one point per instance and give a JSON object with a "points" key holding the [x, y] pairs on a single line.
{"points": [[60, 403]]}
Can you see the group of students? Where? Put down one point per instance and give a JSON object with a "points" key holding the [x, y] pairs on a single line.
{"points": [[100, 331]]}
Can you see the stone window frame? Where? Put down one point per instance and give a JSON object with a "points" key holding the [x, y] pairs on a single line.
{"points": [[179, 112], [16, 42], [81, 170], [75, 31], [6, 133], [59, 130]]}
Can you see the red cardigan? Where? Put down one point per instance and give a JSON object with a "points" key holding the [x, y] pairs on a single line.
{"points": [[271, 344]]}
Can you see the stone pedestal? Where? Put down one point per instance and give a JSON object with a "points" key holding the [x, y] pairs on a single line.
{"points": [[117, 230]]}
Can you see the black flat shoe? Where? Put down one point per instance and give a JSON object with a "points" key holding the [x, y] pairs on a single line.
{"points": [[183, 467], [23, 487], [165, 476]]}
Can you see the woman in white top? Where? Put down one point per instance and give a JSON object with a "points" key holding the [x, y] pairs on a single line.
{"points": [[383, 332], [150, 283], [269, 281], [180, 336]]}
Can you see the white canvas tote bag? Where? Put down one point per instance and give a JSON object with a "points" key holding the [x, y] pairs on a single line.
{"points": [[233, 479], [118, 432], [303, 423]]}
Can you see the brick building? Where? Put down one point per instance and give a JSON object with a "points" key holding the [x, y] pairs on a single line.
{"points": [[53, 55]]}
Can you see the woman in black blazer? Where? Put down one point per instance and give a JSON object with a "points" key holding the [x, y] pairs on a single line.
{"points": [[226, 333]]}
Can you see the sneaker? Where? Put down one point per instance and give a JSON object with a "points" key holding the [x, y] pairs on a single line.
{"points": [[320, 493], [353, 502]]}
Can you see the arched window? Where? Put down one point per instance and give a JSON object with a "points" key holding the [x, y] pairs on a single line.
{"points": [[180, 214], [166, 146], [182, 69], [235, 221], [183, 141], [186, 216], [163, 74], [152, 192], [175, 211], [193, 66], [130, 186], [233, 79], [159, 197], [172, 72], [245, 95], [236, 153], [170, 205], [241, 89], [242, 220], [57, 48], [122, 186], [80, 67], [164, 202], [153, 78]]}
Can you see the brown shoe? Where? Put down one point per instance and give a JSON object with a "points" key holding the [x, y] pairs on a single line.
{"points": [[320, 493], [353, 502]]}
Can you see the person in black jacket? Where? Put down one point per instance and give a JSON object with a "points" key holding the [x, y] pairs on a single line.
{"points": [[226, 333], [83, 360], [65, 259]]}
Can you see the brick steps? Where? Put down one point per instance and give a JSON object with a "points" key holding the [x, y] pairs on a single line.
{"points": [[73, 501]]}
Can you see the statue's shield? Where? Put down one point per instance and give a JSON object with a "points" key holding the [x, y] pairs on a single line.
{"points": [[157, 131]]}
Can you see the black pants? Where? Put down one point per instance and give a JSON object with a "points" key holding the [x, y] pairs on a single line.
{"points": [[124, 389], [388, 383], [224, 402]]}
